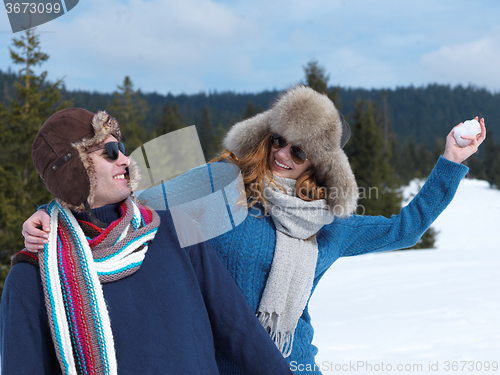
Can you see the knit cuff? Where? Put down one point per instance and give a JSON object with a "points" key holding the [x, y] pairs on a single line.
{"points": [[44, 207], [448, 167]]}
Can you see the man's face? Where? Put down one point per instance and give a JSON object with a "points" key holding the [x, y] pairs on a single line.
{"points": [[111, 184]]}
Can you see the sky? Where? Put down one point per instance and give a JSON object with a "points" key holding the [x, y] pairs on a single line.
{"points": [[418, 311], [193, 46]]}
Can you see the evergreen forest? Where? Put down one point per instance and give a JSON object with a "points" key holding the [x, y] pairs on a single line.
{"points": [[397, 134]]}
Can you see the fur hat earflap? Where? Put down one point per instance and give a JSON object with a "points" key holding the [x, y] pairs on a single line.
{"points": [[61, 154], [309, 120]]}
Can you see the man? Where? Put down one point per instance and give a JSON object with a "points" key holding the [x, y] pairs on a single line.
{"points": [[112, 291]]}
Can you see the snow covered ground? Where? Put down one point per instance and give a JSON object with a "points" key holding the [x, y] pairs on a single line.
{"points": [[418, 311]]}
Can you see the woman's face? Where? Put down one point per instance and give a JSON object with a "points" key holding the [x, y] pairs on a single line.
{"points": [[281, 163]]}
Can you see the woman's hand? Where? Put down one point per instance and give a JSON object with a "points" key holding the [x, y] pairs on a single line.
{"points": [[34, 238], [458, 154]]}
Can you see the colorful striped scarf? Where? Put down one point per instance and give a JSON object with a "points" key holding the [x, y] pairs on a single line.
{"points": [[73, 267]]}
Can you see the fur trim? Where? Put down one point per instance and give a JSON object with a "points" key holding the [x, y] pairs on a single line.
{"points": [[134, 175], [309, 120], [244, 136]]}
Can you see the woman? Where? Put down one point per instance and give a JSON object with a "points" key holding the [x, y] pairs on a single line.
{"points": [[302, 194]]}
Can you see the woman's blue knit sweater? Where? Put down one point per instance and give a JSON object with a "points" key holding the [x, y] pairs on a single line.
{"points": [[247, 251]]}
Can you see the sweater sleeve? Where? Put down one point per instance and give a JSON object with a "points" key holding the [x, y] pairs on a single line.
{"points": [[25, 340], [364, 234], [236, 329]]}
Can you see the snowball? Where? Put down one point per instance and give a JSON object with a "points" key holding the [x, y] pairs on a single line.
{"points": [[470, 127]]}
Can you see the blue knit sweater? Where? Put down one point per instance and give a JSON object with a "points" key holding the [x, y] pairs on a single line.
{"points": [[247, 251]]}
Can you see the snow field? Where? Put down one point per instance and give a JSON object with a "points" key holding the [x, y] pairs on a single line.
{"points": [[418, 311]]}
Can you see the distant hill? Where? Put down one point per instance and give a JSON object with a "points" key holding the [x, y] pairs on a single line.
{"points": [[424, 112], [431, 111]]}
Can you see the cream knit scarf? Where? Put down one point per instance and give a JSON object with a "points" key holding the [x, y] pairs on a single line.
{"points": [[292, 272]]}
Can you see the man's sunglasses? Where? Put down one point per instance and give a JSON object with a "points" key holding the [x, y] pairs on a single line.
{"points": [[113, 149], [298, 155]]}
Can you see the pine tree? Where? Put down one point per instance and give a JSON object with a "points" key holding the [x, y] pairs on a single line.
{"points": [[21, 187], [494, 173], [251, 110], [35, 101], [418, 164], [369, 159], [425, 161], [317, 79], [206, 135], [13, 205], [438, 149], [408, 167], [395, 155], [130, 110], [491, 154], [219, 135], [428, 239], [171, 120]]}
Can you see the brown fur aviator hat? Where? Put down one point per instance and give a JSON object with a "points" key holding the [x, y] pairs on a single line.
{"points": [[60, 154], [309, 120]]}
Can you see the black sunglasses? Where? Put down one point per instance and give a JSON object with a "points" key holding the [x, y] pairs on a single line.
{"points": [[113, 149], [298, 155]]}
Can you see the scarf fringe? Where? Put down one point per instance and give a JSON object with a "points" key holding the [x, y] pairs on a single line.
{"points": [[283, 340]]}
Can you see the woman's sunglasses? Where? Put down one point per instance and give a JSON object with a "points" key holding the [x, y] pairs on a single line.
{"points": [[298, 155], [113, 149]]}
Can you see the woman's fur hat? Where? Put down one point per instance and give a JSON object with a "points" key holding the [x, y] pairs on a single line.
{"points": [[60, 154], [309, 120]]}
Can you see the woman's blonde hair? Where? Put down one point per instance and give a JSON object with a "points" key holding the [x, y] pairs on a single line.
{"points": [[254, 168]]}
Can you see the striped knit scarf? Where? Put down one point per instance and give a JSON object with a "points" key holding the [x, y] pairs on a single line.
{"points": [[72, 269]]}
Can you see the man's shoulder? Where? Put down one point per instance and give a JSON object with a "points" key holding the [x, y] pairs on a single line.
{"points": [[24, 269], [25, 256], [180, 231], [166, 231], [166, 221], [25, 279]]}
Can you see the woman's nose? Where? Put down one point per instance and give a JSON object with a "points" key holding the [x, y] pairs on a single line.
{"points": [[284, 153]]}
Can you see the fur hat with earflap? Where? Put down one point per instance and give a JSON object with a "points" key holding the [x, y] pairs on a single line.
{"points": [[309, 120], [60, 155]]}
